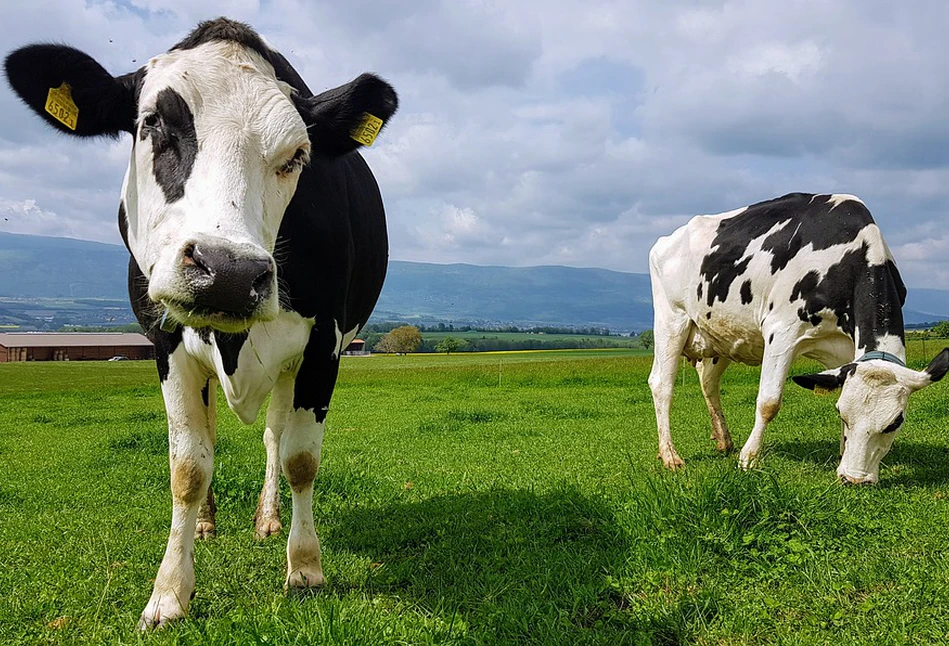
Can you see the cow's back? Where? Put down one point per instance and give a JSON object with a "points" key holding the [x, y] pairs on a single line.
{"points": [[791, 267]]}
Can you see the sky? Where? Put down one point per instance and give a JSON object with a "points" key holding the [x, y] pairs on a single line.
{"points": [[573, 132]]}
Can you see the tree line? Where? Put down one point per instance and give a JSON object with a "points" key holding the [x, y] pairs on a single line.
{"points": [[409, 338]]}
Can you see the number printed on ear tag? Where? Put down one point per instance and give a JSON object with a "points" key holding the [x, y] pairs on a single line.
{"points": [[367, 130], [59, 103]]}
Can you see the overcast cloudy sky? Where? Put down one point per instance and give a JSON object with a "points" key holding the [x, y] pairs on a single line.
{"points": [[572, 132]]}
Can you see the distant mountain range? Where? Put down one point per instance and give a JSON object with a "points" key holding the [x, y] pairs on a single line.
{"points": [[63, 268]]}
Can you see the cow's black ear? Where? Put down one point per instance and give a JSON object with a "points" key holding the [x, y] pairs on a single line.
{"points": [[344, 118], [828, 380], [72, 92], [939, 366]]}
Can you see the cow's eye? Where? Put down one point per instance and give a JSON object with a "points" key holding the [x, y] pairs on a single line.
{"points": [[295, 163], [151, 121]]}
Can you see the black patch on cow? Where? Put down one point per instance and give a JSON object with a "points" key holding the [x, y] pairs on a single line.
{"points": [[204, 392], [698, 291], [124, 225], [316, 379], [770, 307], [229, 345], [867, 300], [826, 380], [148, 317], [708, 315], [939, 366], [895, 425], [204, 333], [745, 292], [807, 219], [771, 338], [174, 142]]}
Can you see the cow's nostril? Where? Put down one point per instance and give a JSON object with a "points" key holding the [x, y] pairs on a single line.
{"points": [[261, 284], [191, 256]]}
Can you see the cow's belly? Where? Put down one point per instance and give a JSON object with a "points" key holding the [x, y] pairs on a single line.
{"points": [[270, 349], [733, 338]]}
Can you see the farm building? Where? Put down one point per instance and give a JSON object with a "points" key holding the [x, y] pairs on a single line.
{"points": [[356, 348], [73, 346]]}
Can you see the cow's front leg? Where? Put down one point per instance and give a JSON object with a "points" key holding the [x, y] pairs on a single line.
{"points": [[267, 518], [300, 448], [191, 456], [775, 366]]}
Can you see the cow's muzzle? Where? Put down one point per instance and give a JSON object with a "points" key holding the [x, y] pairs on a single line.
{"points": [[226, 279]]}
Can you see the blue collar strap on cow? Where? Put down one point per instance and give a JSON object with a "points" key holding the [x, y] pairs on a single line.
{"points": [[885, 356], [167, 324]]}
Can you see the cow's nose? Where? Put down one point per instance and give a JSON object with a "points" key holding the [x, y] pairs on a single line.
{"points": [[851, 480], [227, 279]]}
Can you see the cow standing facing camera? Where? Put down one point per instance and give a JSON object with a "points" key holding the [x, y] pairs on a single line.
{"points": [[258, 250], [800, 275]]}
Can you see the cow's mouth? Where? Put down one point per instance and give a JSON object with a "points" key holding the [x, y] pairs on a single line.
{"points": [[191, 315]]}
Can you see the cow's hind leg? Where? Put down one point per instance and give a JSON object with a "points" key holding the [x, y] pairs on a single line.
{"points": [[267, 519], [670, 338], [300, 448], [710, 377], [774, 372], [207, 525], [191, 456]]}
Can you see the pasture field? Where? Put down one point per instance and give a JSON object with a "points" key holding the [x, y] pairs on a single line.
{"points": [[479, 499], [469, 335]]}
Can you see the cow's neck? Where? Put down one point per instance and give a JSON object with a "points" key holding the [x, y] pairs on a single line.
{"points": [[878, 313]]}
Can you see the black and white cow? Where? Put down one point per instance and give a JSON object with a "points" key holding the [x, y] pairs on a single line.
{"points": [[258, 249], [800, 275]]}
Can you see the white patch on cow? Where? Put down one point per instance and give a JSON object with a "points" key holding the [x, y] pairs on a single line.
{"points": [[271, 348], [247, 129], [343, 340], [837, 199]]}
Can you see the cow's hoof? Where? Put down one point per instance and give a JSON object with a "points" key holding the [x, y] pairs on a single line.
{"points": [[304, 579], [748, 461], [724, 447], [204, 530], [159, 612], [671, 460], [267, 527]]}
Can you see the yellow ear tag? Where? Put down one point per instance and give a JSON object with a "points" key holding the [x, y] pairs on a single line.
{"points": [[367, 130], [819, 390], [59, 103]]}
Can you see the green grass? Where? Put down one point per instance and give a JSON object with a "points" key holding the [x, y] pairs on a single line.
{"points": [[479, 499]]}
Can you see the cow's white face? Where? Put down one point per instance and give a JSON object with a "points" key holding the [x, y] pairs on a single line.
{"points": [[218, 150], [872, 406]]}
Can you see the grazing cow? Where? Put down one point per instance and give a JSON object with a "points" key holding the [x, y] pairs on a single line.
{"points": [[800, 275], [258, 249]]}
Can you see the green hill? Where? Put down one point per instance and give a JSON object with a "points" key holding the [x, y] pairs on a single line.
{"points": [[38, 267]]}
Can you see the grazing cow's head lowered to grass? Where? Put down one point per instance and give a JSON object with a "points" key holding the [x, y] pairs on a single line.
{"points": [[872, 406], [218, 145]]}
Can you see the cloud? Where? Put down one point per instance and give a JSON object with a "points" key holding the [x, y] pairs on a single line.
{"points": [[573, 132]]}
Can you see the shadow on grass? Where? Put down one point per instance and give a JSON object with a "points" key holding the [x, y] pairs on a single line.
{"points": [[928, 464], [513, 564]]}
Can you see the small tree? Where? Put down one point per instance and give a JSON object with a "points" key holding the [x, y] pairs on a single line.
{"points": [[941, 329], [400, 340], [450, 344], [647, 339]]}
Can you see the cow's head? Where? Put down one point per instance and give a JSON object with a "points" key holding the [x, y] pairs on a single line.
{"points": [[872, 407], [219, 144]]}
